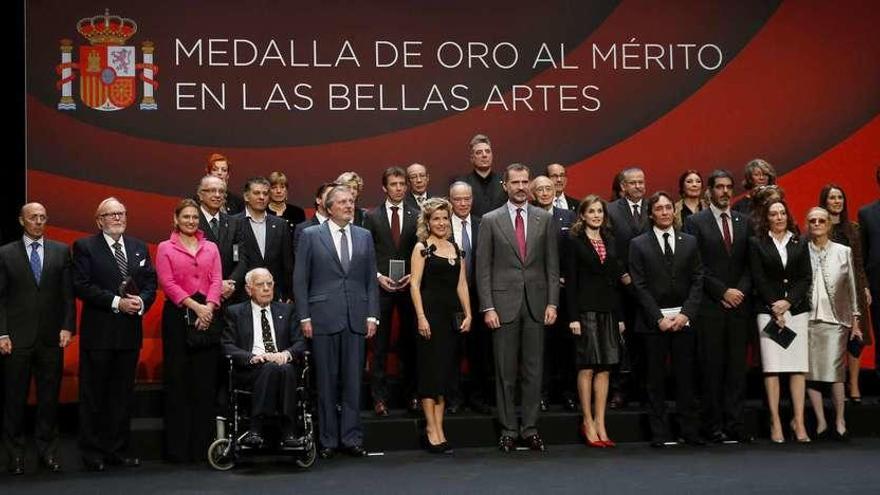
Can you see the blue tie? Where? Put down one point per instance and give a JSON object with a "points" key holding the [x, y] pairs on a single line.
{"points": [[36, 265]]}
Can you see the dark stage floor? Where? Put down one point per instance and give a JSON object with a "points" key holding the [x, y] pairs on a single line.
{"points": [[631, 468]]}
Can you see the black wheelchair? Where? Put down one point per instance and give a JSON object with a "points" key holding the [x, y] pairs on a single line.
{"points": [[226, 450]]}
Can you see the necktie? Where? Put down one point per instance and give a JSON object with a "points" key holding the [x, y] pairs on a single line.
{"points": [[466, 246], [268, 341], [420, 200], [344, 257], [120, 259], [637, 216], [725, 232], [215, 225], [667, 248], [36, 265], [520, 234], [395, 226]]}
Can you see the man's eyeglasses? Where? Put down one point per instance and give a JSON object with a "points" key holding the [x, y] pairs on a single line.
{"points": [[113, 214]]}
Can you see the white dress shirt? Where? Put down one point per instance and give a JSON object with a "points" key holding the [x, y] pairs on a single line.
{"points": [[659, 234], [388, 212], [781, 246], [114, 305], [259, 347], [208, 215], [41, 248], [259, 229], [457, 227], [560, 202], [336, 233], [640, 204]]}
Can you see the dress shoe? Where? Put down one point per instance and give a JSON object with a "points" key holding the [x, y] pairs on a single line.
{"points": [[252, 440], [694, 441], [805, 439], [536, 443], [447, 449], [118, 460], [741, 437], [434, 448], [93, 464], [823, 435], [380, 409], [51, 464], [840, 437], [598, 444], [718, 437], [16, 466], [543, 405], [663, 444], [506, 444], [356, 451], [326, 452]]}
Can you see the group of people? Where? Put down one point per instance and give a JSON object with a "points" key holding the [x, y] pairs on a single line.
{"points": [[532, 288]]}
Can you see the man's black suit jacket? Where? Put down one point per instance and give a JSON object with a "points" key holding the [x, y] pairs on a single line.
{"points": [[625, 227], [658, 284], [722, 270], [279, 252], [228, 236], [31, 313], [96, 281], [377, 222], [238, 336]]}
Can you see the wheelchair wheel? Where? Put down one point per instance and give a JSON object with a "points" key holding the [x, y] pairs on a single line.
{"points": [[220, 456], [308, 458]]}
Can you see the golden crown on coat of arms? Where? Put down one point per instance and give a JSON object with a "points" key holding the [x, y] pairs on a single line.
{"points": [[106, 29]]}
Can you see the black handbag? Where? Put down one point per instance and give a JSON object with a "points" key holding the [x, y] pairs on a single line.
{"points": [[200, 339]]}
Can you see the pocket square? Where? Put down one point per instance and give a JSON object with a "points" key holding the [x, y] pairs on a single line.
{"points": [[142, 263]]}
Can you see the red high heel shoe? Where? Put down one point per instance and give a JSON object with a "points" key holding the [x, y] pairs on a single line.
{"points": [[589, 443], [609, 443]]}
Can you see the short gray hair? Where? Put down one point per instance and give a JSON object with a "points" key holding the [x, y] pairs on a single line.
{"points": [[249, 276], [330, 197]]}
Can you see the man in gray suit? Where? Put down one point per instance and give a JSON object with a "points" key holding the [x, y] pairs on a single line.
{"points": [[518, 283], [337, 303]]}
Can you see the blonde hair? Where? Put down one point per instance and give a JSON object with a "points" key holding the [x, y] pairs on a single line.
{"points": [[430, 206]]}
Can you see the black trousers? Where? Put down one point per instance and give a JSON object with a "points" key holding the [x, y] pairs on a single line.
{"points": [[274, 391], [680, 346], [190, 385], [406, 350], [106, 390], [721, 346], [474, 346], [43, 363]]}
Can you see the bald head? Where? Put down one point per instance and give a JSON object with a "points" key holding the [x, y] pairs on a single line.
{"points": [[417, 178], [32, 218], [543, 191]]}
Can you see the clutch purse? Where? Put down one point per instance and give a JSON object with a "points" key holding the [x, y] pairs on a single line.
{"points": [[782, 336], [196, 338]]}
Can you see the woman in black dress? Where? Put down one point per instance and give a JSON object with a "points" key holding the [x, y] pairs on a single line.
{"points": [[593, 277], [439, 291]]}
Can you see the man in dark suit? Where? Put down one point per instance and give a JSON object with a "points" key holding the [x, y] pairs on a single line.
{"points": [[393, 227], [114, 277], [224, 231], [417, 180], [486, 185], [476, 345], [337, 303], [264, 339], [518, 282], [869, 221], [318, 218], [725, 310], [668, 280], [265, 239], [558, 345], [556, 173], [629, 219], [37, 320]]}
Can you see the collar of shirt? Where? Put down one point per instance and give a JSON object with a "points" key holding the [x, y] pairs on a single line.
{"points": [[257, 308], [485, 180], [560, 201], [717, 213], [788, 236], [388, 212], [638, 203], [208, 215], [321, 218], [659, 234], [28, 241], [456, 226], [249, 214], [109, 240]]}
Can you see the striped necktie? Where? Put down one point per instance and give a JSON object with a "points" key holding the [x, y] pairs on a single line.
{"points": [[121, 262]]}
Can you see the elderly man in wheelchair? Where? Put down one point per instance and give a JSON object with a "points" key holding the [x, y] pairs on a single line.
{"points": [[269, 363]]}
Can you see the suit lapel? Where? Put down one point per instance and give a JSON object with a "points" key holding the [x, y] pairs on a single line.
{"points": [[536, 222], [247, 317], [26, 261], [327, 241], [249, 232], [280, 325]]}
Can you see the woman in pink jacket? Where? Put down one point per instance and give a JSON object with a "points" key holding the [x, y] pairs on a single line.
{"points": [[189, 273]]}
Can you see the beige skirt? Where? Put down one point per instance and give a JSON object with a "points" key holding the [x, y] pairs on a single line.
{"points": [[827, 347]]}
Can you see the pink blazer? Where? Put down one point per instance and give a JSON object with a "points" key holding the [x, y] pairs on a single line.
{"points": [[182, 274]]}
